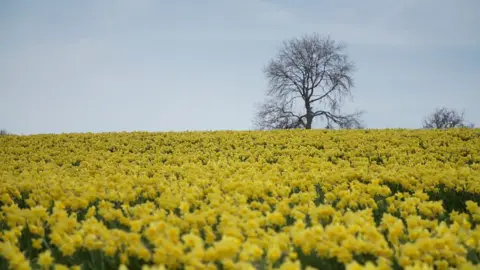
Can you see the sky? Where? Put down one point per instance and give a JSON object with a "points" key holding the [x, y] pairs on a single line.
{"points": [[155, 65]]}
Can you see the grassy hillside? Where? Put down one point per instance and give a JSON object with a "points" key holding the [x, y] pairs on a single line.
{"points": [[386, 199]]}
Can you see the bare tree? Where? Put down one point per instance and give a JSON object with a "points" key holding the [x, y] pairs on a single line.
{"points": [[444, 118], [309, 78]]}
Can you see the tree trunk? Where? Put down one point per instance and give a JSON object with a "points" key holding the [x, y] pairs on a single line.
{"points": [[309, 115], [309, 122]]}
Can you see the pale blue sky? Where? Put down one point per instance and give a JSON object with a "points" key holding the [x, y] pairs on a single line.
{"points": [[96, 66]]}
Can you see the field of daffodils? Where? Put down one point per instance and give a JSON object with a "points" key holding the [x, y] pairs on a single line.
{"points": [[289, 199]]}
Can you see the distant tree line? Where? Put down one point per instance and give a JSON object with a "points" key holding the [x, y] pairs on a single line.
{"points": [[443, 118], [309, 79]]}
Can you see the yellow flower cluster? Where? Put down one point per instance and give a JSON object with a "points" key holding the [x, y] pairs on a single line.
{"points": [[289, 199]]}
